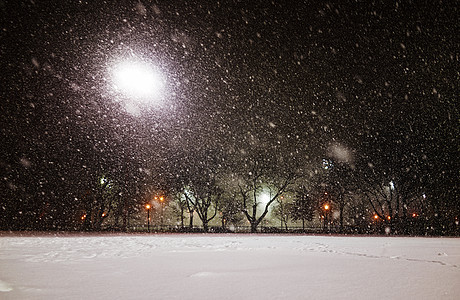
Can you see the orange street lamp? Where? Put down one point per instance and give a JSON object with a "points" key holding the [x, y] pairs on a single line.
{"points": [[148, 217], [160, 198], [376, 217], [326, 207]]}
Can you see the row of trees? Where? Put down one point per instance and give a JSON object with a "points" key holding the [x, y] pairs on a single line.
{"points": [[248, 187], [215, 186], [252, 186]]}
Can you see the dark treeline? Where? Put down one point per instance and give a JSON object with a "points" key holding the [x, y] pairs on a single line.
{"points": [[240, 188]]}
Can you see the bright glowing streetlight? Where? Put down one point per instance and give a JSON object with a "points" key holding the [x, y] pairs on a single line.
{"points": [[264, 197], [159, 201], [148, 216], [137, 84], [139, 80], [326, 208], [159, 198]]}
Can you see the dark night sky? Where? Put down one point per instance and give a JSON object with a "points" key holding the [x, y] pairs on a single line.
{"points": [[379, 79]]}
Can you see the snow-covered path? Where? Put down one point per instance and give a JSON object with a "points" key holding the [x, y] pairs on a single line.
{"points": [[228, 267]]}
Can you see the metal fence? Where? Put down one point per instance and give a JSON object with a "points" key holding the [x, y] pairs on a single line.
{"points": [[319, 229], [244, 229]]}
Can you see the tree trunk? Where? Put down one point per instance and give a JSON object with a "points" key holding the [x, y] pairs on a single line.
{"points": [[116, 221], [191, 220], [224, 226], [182, 217], [124, 221], [341, 217], [254, 227]]}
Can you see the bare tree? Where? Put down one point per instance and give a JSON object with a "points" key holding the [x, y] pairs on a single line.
{"points": [[303, 207], [391, 199], [264, 178], [283, 211], [99, 203], [203, 197], [182, 205], [230, 209], [199, 180]]}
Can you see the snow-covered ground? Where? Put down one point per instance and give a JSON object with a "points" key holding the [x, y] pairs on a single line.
{"points": [[228, 267]]}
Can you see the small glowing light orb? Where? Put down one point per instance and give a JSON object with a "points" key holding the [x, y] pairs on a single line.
{"points": [[392, 185], [147, 206], [327, 164], [326, 206], [137, 80], [376, 217], [103, 180], [264, 198]]}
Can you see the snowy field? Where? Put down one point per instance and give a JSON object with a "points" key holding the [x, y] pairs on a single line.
{"points": [[227, 267]]}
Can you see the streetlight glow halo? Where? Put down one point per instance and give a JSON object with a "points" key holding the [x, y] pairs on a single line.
{"points": [[136, 79]]}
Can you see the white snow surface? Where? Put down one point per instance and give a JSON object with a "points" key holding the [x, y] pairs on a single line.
{"points": [[199, 266]]}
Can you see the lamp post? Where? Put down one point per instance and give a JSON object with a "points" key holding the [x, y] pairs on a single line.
{"points": [[160, 201], [148, 217], [326, 207], [162, 211]]}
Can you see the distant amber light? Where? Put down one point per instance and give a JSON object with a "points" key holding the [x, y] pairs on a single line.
{"points": [[376, 217], [326, 207], [147, 206]]}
